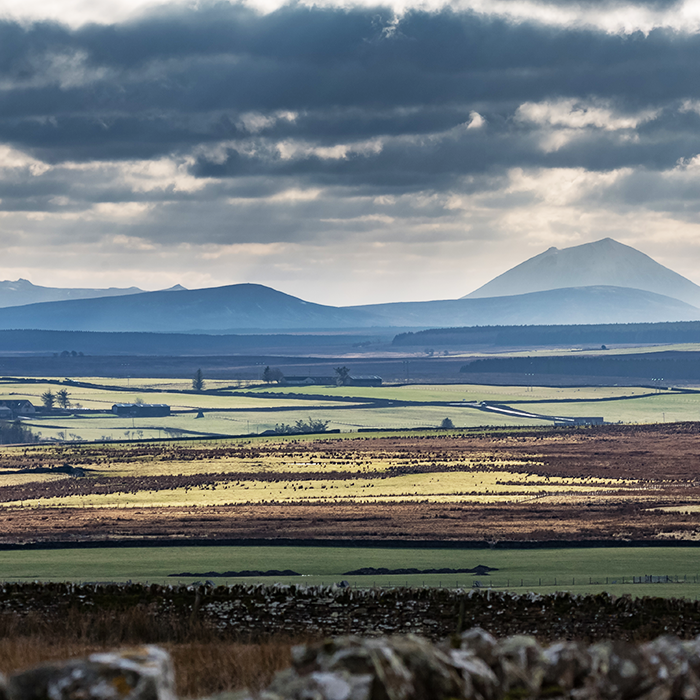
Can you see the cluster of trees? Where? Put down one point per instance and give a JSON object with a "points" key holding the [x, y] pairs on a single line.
{"points": [[271, 375], [12, 433], [312, 425], [60, 398]]}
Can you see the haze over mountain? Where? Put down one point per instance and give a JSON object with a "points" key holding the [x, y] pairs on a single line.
{"points": [[21, 291], [215, 309], [602, 263], [599, 304], [253, 307]]}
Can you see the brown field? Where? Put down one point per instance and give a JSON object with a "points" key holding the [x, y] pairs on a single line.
{"points": [[641, 468]]}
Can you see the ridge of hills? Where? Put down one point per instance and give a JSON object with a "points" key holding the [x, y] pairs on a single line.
{"points": [[574, 305], [250, 307], [213, 309], [605, 262], [594, 283], [21, 292]]}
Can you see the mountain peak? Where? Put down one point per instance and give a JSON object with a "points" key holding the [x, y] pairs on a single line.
{"points": [[606, 262]]}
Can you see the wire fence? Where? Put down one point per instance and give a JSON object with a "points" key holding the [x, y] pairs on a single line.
{"points": [[556, 582]]}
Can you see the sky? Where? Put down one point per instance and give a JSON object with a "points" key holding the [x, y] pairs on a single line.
{"points": [[345, 153]]}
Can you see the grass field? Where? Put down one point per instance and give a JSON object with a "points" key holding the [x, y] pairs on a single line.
{"points": [[239, 410], [292, 470], [541, 570]]}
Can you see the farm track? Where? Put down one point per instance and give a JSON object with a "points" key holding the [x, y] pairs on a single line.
{"points": [[661, 460]]}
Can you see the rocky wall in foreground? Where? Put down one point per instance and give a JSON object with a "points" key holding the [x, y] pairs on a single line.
{"points": [[166, 613], [471, 666]]}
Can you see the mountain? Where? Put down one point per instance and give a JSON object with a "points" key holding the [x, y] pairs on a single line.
{"points": [[602, 263], [22, 292], [599, 304], [601, 282], [234, 307], [253, 307]]}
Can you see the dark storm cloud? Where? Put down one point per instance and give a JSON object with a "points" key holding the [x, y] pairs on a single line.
{"points": [[175, 82]]}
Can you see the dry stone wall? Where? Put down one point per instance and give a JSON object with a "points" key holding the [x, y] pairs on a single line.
{"points": [[254, 612], [471, 666]]}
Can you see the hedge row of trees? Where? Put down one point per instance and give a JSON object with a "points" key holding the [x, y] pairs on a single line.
{"points": [[14, 433]]}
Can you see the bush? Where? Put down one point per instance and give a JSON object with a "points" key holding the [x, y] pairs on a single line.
{"points": [[14, 432], [312, 425]]}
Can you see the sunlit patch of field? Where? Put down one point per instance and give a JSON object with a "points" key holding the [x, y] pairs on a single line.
{"points": [[293, 469], [104, 399], [475, 486], [659, 408], [347, 419], [242, 411], [166, 384], [19, 478], [682, 508], [462, 392], [587, 350]]}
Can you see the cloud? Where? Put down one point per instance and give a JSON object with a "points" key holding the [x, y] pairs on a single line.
{"points": [[188, 135]]}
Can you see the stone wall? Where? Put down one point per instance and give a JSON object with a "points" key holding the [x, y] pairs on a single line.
{"points": [[254, 612], [471, 666]]}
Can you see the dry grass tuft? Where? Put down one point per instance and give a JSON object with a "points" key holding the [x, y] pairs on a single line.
{"points": [[201, 668], [205, 663]]}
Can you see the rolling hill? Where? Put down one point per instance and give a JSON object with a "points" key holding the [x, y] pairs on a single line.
{"points": [[252, 307], [21, 291], [601, 282], [561, 306], [602, 263], [234, 307]]}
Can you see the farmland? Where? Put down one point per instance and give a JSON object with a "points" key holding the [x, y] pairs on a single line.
{"points": [[493, 480], [606, 482], [546, 570], [242, 408]]}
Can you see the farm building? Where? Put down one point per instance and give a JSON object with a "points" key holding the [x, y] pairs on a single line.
{"points": [[141, 410], [19, 407], [364, 380], [353, 380], [305, 380]]}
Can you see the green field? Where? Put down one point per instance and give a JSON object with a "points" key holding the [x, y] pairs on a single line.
{"points": [[235, 409], [542, 570]]}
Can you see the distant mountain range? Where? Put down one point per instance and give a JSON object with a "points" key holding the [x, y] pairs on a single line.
{"points": [[22, 292], [592, 283]]}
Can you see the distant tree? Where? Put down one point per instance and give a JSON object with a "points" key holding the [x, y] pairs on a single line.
{"points": [[62, 398], [48, 399], [447, 424], [15, 433], [138, 401], [273, 374], [198, 381], [312, 425], [343, 375]]}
